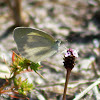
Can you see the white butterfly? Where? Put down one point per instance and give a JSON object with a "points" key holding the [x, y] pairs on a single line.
{"points": [[34, 44]]}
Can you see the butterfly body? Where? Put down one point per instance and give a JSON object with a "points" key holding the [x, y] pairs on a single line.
{"points": [[34, 44]]}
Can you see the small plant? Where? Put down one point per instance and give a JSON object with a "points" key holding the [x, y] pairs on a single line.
{"points": [[18, 86]]}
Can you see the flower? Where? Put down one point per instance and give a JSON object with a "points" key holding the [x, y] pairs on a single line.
{"points": [[71, 52], [69, 58]]}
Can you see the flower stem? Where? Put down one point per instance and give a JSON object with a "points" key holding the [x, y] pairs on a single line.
{"points": [[66, 83]]}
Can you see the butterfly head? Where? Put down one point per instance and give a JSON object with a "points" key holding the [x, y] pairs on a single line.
{"points": [[58, 42]]}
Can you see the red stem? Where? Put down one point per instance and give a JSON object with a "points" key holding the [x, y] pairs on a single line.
{"points": [[66, 83]]}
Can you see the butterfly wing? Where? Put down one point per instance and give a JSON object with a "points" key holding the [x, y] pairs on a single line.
{"points": [[34, 44]]}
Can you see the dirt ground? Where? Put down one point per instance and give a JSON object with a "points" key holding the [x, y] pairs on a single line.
{"points": [[77, 24]]}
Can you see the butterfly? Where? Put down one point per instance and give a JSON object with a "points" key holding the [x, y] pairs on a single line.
{"points": [[34, 44]]}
